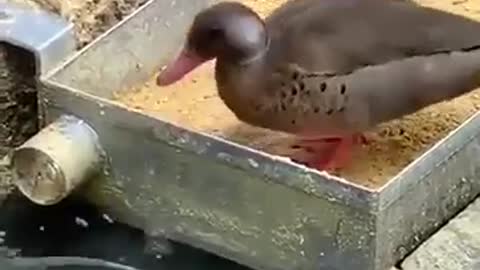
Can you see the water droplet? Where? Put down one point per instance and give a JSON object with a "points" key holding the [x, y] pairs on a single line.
{"points": [[224, 156], [106, 171], [253, 163], [81, 222], [331, 199], [107, 218]]}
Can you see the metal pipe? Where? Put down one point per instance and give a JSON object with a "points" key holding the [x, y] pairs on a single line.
{"points": [[53, 163]]}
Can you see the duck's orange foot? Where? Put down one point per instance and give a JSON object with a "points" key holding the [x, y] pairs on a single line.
{"points": [[328, 153]]}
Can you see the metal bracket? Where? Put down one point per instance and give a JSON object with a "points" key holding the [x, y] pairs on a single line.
{"points": [[47, 35]]}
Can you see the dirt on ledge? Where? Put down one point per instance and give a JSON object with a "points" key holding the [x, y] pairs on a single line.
{"points": [[91, 18]]}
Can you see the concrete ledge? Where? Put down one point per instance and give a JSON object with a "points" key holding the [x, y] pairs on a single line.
{"points": [[455, 247]]}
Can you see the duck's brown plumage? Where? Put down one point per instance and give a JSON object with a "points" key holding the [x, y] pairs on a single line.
{"points": [[333, 68], [341, 37]]}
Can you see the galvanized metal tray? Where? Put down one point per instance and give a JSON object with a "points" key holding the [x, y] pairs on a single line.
{"points": [[243, 204]]}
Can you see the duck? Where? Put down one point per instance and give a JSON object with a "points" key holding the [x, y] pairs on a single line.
{"points": [[327, 71]]}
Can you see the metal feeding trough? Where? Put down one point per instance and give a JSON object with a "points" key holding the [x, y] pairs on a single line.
{"points": [[243, 204]]}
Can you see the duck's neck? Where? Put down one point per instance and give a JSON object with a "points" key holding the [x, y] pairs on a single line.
{"points": [[241, 83]]}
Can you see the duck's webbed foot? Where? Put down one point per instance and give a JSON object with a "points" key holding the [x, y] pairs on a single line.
{"points": [[327, 153]]}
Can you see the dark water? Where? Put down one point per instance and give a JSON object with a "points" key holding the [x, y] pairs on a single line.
{"points": [[60, 231]]}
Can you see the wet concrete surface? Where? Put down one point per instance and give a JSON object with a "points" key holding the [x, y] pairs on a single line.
{"points": [[75, 228]]}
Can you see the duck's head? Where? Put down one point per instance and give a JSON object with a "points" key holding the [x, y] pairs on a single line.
{"points": [[228, 31]]}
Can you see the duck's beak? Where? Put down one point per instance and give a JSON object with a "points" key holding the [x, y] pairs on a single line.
{"points": [[184, 63]]}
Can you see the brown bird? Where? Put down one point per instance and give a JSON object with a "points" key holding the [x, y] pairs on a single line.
{"points": [[329, 70]]}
